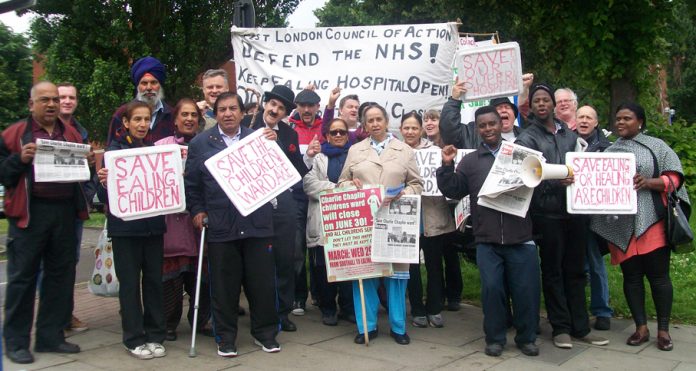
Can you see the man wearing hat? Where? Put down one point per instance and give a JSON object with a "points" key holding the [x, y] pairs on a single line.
{"points": [[148, 76], [277, 104], [562, 239], [308, 124], [508, 113]]}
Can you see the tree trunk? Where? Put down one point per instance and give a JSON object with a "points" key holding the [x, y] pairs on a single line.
{"points": [[622, 90]]}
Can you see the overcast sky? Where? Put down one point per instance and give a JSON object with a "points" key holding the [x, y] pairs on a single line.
{"points": [[303, 17]]}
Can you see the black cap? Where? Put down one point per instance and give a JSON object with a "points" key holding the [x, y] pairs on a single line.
{"points": [[505, 100], [541, 86], [307, 97]]}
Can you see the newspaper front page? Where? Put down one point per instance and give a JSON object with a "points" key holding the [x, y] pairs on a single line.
{"points": [[60, 162], [396, 231], [503, 189]]}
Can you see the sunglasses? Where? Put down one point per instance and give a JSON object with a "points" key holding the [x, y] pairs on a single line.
{"points": [[336, 133]]}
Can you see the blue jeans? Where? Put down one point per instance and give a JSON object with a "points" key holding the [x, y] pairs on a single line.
{"points": [[599, 285], [516, 266]]}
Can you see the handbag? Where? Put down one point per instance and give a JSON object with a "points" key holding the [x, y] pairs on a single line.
{"points": [[680, 237], [103, 281]]}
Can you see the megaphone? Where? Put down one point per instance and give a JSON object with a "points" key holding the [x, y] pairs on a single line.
{"points": [[534, 170]]}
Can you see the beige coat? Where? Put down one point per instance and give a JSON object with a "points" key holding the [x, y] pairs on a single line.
{"points": [[314, 183], [437, 217], [396, 165]]}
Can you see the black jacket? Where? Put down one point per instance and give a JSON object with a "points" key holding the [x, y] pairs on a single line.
{"points": [[135, 228], [549, 196], [597, 142], [490, 226], [203, 194], [462, 136]]}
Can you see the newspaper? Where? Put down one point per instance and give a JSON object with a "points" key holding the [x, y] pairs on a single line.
{"points": [[503, 189], [60, 162], [462, 212], [396, 231]]}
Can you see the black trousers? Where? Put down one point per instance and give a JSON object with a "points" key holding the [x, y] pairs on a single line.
{"points": [[562, 251], [138, 263], [654, 266], [173, 305], [453, 271], [329, 290], [285, 229], [301, 290], [247, 262], [50, 237], [432, 251]]}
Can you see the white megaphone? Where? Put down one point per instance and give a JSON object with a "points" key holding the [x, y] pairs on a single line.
{"points": [[534, 170]]}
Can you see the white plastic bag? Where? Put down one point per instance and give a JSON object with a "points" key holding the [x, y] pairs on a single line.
{"points": [[103, 281]]}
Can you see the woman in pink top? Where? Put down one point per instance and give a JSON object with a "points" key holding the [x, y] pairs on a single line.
{"points": [[638, 242]]}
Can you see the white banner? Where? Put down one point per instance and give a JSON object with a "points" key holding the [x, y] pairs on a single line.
{"points": [[252, 172], [603, 183], [60, 162], [401, 67], [429, 160], [145, 182]]}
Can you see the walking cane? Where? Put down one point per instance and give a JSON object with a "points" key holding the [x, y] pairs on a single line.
{"points": [[192, 351]]}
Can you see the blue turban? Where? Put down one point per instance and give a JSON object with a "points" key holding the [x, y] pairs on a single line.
{"points": [[150, 65]]}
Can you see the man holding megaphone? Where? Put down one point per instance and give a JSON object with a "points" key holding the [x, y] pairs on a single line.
{"points": [[561, 237], [505, 253]]}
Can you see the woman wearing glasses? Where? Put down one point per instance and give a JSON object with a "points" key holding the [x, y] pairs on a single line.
{"points": [[324, 175]]}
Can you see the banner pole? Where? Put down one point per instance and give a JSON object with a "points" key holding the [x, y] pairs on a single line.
{"points": [[362, 308]]}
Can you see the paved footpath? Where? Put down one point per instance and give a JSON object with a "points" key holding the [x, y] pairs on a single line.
{"points": [[457, 346]]}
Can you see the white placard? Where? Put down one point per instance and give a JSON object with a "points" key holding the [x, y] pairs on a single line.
{"points": [[490, 71], [429, 160], [145, 182], [401, 67], [603, 183], [252, 172]]}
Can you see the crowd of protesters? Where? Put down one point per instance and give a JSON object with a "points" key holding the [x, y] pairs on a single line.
{"points": [[276, 253]]}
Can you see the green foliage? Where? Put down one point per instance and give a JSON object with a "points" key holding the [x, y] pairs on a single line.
{"points": [[680, 137], [92, 44], [682, 64], [15, 76], [600, 49]]}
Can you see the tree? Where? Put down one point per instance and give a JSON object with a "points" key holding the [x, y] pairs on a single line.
{"points": [[15, 76], [92, 44], [601, 49]]}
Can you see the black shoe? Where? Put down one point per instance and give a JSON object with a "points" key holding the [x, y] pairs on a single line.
{"points": [[22, 356], [360, 338], [171, 335], [529, 349], [453, 306], [329, 319], [227, 350], [347, 317], [602, 323], [63, 347], [287, 325], [241, 311], [494, 350], [400, 339]]}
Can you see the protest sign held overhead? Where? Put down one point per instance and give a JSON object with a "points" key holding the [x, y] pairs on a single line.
{"points": [[347, 217], [252, 172], [401, 67], [145, 182], [429, 160], [490, 71], [603, 183]]}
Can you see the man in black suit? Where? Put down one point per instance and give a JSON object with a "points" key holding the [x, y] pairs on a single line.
{"points": [[277, 104]]}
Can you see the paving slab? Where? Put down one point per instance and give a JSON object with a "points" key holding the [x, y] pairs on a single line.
{"points": [[599, 359]]}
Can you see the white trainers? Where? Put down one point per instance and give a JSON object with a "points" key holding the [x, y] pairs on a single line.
{"points": [[157, 349], [140, 352]]}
